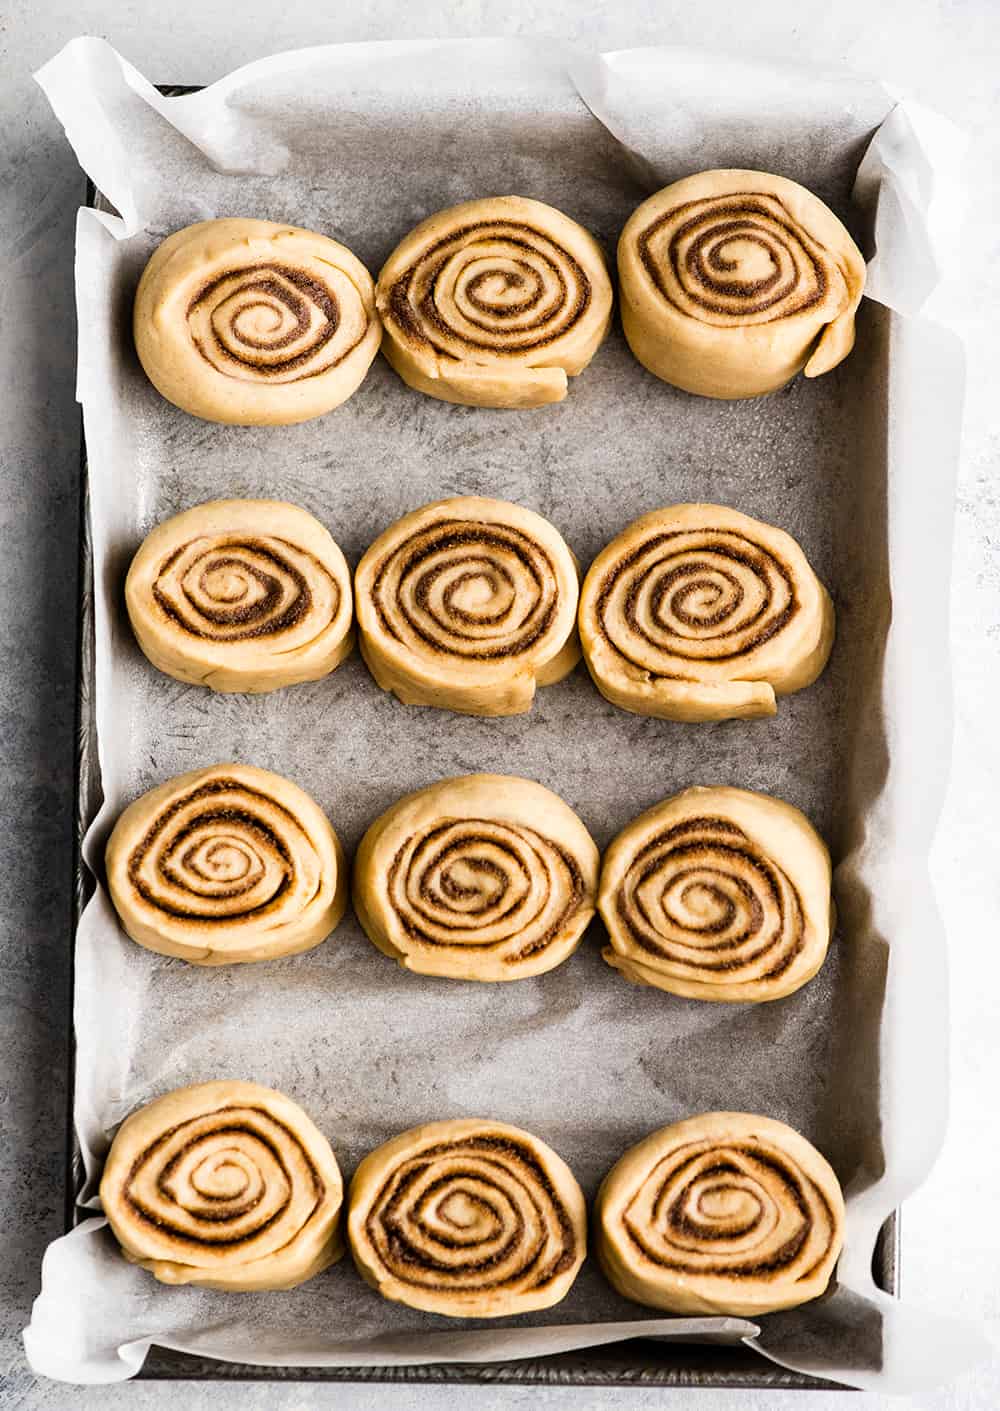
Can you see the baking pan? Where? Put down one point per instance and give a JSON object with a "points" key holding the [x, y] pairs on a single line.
{"points": [[641, 1362]]}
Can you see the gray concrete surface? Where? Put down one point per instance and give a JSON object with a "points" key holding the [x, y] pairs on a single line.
{"points": [[943, 51]]}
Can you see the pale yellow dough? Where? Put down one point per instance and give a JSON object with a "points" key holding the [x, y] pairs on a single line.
{"points": [[698, 612], [731, 282], [226, 864], [227, 1185], [494, 303], [491, 1220], [484, 877], [718, 894], [723, 1213], [241, 595], [254, 323], [468, 605]]}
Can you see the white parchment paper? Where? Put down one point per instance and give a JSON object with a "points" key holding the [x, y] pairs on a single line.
{"points": [[361, 142]]}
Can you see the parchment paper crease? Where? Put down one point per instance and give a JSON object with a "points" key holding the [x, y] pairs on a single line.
{"points": [[362, 141]]}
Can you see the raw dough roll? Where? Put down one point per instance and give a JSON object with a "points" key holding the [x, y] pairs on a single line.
{"points": [[494, 303], [485, 877], [733, 281], [718, 894], [241, 595], [228, 1185], [254, 323], [698, 612], [468, 604], [723, 1213], [472, 1219], [225, 864]]}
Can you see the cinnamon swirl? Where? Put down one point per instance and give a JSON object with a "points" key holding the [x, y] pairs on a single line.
{"points": [[494, 303], [468, 604], [718, 894], [470, 1219], [226, 864], [723, 1213], [698, 612], [485, 877], [228, 1185], [241, 595], [734, 281], [254, 323]]}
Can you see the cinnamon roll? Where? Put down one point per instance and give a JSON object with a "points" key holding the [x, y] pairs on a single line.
{"points": [[228, 1185], [734, 281], [723, 1213], [470, 1219], [698, 612], [226, 864], [494, 303], [718, 894], [241, 595], [254, 323], [468, 604], [485, 877]]}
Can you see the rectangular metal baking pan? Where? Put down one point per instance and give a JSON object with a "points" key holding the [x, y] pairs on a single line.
{"points": [[642, 1362]]}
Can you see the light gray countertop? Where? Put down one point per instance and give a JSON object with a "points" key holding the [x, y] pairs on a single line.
{"points": [[941, 51]]}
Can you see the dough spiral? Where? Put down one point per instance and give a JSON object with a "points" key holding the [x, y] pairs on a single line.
{"points": [[241, 595], [228, 1185], [225, 864], [698, 612], [734, 281], [494, 303], [718, 894], [254, 323], [470, 1219], [484, 877], [468, 604], [723, 1213]]}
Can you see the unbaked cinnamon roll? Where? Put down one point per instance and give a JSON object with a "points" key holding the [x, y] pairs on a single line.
{"points": [[228, 1185], [470, 1219], [468, 604], [226, 864], [241, 595], [484, 877], [494, 303], [254, 323], [723, 1213], [734, 281], [698, 612], [718, 894]]}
